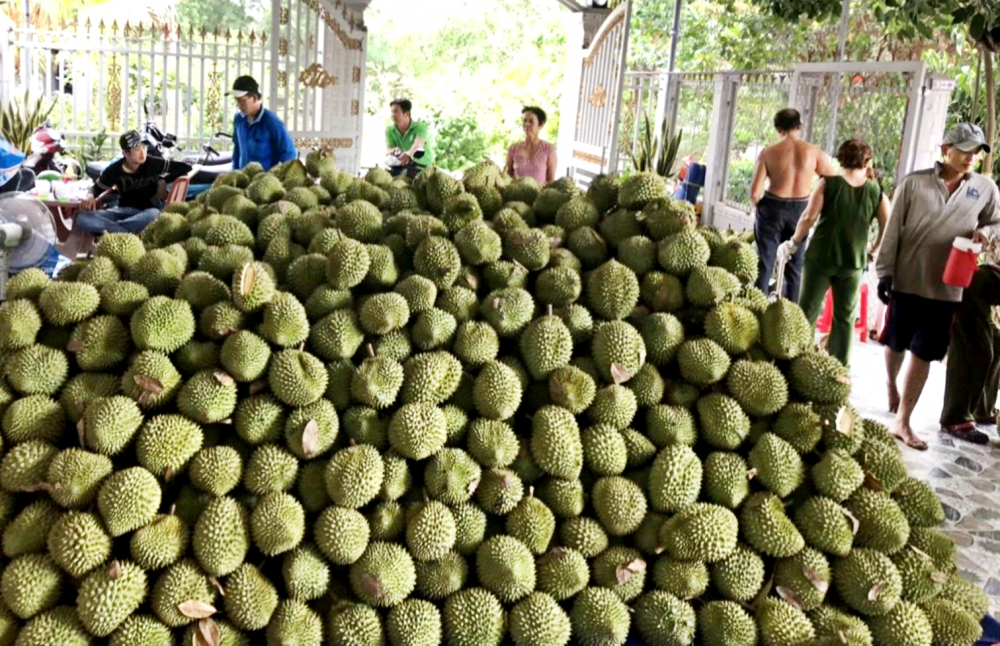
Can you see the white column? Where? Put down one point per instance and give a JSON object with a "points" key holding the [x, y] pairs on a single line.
{"points": [[569, 103], [930, 130]]}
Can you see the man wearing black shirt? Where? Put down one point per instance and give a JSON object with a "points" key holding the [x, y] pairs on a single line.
{"points": [[140, 182]]}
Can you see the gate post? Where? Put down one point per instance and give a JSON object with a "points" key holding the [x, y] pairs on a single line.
{"points": [[272, 54], [582, 26], [720, 137], [6, 60]]}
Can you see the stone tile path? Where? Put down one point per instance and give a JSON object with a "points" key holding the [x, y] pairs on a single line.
{"points": [[965, 476]]}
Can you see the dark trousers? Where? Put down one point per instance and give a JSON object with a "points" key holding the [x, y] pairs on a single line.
{"points": [[410, 170], [775, 223], [973, 371]]}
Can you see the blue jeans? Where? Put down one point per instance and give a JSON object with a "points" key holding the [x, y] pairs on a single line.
{"points": [[118, 219], [775, 222]]}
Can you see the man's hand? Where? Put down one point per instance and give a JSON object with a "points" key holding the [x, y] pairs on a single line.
{"points": [[786, 250], [885, 289], [89, 203], [980, 238], [161, 190], [404, 159]]}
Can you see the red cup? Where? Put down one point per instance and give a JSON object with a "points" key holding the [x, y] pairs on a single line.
{"points": [[962, 263]]}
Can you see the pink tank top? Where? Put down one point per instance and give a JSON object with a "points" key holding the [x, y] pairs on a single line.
{"points": [[536, 166]]}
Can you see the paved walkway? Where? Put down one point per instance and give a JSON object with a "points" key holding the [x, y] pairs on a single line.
{"points": [[965, 476]]}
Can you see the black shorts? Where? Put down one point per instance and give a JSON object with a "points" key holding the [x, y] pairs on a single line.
{"points": [[920, 325]]}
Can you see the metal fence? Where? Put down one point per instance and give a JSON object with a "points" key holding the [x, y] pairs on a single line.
{"points": [[758, 97], [727, 117], [100, 79], [310, 66]]}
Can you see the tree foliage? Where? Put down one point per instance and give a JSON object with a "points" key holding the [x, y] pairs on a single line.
{"points": [[464, 63], [225, 14]]}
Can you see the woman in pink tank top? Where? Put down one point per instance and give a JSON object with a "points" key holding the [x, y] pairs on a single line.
{"points": [[532, 157]]}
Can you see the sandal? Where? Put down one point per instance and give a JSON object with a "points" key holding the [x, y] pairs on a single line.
{"points": [[912, 442], [966, 431]]}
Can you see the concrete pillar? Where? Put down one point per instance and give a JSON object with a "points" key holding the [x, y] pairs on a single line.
{"points": [[582, 26]]}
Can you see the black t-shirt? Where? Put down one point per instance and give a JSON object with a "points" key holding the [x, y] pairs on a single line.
{"points": [[138, 189]]}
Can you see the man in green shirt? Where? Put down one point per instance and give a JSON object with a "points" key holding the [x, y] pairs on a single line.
{"points": [[407, 141]]}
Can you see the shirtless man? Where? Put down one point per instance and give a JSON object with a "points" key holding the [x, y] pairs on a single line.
{"points": [[788, 168]]}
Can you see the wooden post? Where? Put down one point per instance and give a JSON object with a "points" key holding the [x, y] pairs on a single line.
{"points": [[991, 111]]}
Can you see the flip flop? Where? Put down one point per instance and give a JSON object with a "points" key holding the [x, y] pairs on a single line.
{"points": [[914, 443]]}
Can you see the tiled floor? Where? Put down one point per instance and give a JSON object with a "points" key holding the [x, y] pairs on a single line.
{"points": [[965, 476]]}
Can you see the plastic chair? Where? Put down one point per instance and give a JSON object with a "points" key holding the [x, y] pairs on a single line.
{"points": [[825, 321], [179, 189]]}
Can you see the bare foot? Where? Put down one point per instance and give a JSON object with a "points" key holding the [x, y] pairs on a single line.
{"points": [[905, 434], [893, 397]]}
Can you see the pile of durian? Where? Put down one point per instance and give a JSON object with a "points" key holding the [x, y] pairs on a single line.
{"points": [[307, 409]]}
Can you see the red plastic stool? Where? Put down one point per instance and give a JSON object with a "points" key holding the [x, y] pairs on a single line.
{"points": [[825, 321]]}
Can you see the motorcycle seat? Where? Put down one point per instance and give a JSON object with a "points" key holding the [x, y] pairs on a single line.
{"points": [[95, 168]]}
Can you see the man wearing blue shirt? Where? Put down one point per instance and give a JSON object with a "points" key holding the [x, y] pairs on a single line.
{"points": [[258, 135]]}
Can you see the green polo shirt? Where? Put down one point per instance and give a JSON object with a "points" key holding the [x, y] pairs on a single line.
{"points": [[396, 139]]}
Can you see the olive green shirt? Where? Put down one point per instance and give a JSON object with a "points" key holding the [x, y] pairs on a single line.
{"points": [[841, 235]]}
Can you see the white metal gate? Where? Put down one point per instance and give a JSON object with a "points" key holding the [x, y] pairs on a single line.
{"points": [[598, 109], [310, 66], [896, 107]]}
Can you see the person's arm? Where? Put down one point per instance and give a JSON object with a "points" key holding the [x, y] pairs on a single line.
{"points": [[882, 215], [550, 174], [108, 178], [390, 142], [418, 142], [811, 214], [759, 180], [885, 267], [282, 142], [824, 167], [989, 219], [236, 144]]}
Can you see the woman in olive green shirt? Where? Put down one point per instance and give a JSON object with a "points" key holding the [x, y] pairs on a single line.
{"points": [[838, 253]]}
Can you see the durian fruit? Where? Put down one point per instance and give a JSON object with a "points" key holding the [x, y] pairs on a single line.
{"points": [[600, 617], [30, 584], [779, 622], [473, 412], [181, 583], [506, 568], [384, 575], [160, 543], [726, 623], [867, 581], [109, 595], [250, 598], [700, 532], [538, 620], [354, 623]]}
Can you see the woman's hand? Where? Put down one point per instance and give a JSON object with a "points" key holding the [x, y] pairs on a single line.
{"points": [[786, 250]]}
